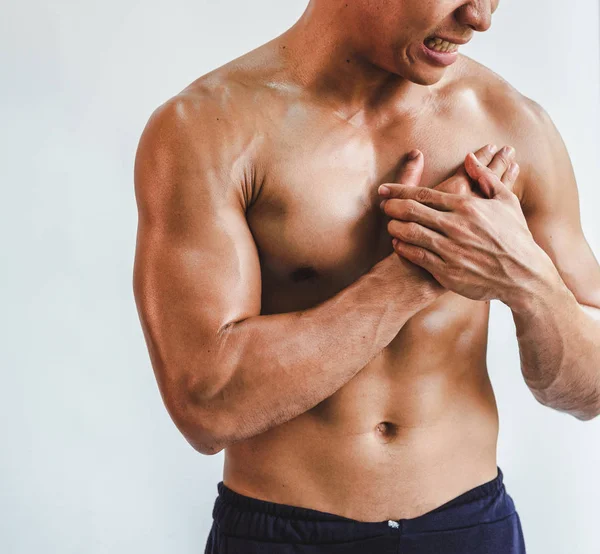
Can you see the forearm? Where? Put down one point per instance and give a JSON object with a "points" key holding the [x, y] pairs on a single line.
{"points": [[559, 345], [281, 365]]}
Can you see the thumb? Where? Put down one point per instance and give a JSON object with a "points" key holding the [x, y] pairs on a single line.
{"points": [[410, 170]]}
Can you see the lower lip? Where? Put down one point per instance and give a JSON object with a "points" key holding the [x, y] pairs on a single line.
{"points": [[443, 59]]}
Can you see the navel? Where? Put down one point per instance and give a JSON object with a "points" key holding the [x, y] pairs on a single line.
{"points": [[386, 430]]}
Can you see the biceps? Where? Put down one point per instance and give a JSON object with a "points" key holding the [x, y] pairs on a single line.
{"points": [[551, 207], [188, 285], [564, 242]]}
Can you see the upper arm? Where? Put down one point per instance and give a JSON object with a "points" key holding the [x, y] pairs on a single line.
{"points": [[196, 265], [551, 205]]}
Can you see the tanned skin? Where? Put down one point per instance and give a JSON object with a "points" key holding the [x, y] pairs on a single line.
{"points": [[337, 373]]}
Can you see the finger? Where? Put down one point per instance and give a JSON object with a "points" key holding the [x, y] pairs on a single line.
{"points": [[502, 160], [490, 184], [411, 169], [419, 256], [436, 199], [409, 210], [417, 235], [510, 177], [484, 155]]}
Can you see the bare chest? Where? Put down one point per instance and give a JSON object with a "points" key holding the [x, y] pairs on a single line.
{"points": [[316, 219]]}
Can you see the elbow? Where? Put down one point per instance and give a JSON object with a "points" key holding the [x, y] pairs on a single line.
{"points": [[586, 417], [202, 415], [205, 428], [588, 414], [206, 433], [590, 407], [201, 409], [582, 411]]}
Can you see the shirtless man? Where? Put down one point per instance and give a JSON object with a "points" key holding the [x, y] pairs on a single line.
{"points": [[345, 377]]}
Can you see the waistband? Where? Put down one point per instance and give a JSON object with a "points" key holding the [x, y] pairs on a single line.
{"points": [[240, 515]]}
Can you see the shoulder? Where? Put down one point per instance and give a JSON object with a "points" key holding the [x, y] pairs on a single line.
{"points": [[205, 132], [206, 109], [500, 101], [519, 120]]}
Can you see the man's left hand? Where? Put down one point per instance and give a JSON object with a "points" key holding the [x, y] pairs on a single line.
{"points": [[480, 248]]}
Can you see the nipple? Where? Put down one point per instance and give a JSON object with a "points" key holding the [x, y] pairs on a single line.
{"points": [[304, 273]]}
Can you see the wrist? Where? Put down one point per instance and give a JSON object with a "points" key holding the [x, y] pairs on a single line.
{"points": [[542, 288], [411, 282], [423, 287]]}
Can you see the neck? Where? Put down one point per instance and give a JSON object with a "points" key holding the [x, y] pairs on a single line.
{"points": [[326, 55]]}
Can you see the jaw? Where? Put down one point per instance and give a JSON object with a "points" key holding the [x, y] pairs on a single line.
{"points": [[412, 66]]}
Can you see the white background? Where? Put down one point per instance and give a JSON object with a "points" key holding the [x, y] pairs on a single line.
{"points": [[90, 461]]}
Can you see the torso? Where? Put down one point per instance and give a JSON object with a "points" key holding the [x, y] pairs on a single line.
{"points": [[418, 425]]}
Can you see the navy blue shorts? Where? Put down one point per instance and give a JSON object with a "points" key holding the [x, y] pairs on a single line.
{"points": [[482, 520]]}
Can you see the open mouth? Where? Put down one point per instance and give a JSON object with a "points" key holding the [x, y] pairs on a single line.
{"points": [[440, 45]]}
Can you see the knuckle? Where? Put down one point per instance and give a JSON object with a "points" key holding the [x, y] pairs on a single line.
{"points": [[506, 154], [410, 230], [451, 224], [422, 194], [452, 274], [453, 271], [439, 221], [433, 242], [463, 203], [406, 230], [485, 157], [409, 207], [469, 207], [421, 254], [454, 251], [482, 155], [501, 157]]}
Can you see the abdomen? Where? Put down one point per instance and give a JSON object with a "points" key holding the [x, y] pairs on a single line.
{"points": [[415, 427]]}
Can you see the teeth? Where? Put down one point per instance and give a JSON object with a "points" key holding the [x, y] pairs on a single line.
{"points": [[440, 45]]}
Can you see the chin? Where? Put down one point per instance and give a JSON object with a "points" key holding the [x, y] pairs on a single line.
{"points": [[424, 77], [411, 67]]}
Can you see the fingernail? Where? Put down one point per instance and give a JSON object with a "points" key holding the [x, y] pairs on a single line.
{"points": [[509, 150], [383, 190], [394, 241], [492, 147], [382, 204], [413, 154]]}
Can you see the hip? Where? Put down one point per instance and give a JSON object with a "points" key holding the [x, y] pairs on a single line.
{"points": [[481, 520]]}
